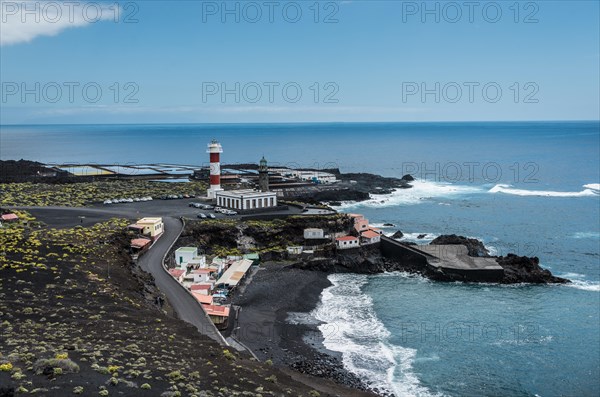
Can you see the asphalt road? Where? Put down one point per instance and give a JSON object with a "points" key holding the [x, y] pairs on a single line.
{"points": [[186, 306], [62, 217]]}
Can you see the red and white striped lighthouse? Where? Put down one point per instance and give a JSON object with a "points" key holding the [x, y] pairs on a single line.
{"points": [[215, 150]]}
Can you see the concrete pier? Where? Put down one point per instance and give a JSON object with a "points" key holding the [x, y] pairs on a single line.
{"points": [[448, 259]]}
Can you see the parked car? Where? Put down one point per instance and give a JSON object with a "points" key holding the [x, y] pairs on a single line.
{"points": [[211, 216], [218, 209], [201, 215], [107, 202]]}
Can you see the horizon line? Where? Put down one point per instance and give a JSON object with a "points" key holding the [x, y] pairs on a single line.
{"points": [[316, 122]]}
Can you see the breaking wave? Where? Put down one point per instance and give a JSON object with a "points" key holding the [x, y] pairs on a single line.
{"points": [[578, 281], [508, 189], [351, 327], [421, 191]]}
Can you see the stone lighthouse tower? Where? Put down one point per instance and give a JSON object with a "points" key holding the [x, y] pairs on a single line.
{"points": [[263, 175], [215, 150]]}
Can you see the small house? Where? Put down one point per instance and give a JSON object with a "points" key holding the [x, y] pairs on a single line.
{"points": [[178, 274], [152, 227], [201, 275], [360, 225], [313, 233], [346, 242], [218, 314], [140, 245], [10, 217], [202, 288], [183, 255], [370, 237], [203, 299], [295, 250]]}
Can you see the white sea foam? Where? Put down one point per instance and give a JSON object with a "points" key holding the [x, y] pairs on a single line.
{"points": [[382, 226], [413, 237], [578, 281], [509, 189], [593, 186], [585, 235], [584, 285], [421, 191], [351, 327]]}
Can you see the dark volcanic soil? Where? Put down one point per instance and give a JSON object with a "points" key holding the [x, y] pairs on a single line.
{"points": [[108, 330], [274, 293]]}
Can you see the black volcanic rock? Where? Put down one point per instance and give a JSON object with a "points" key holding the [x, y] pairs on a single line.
{"points": [[408, 178], [421, 236], [474, 246], [388, 224], [523, 269], [398, 234], [337, 195], [12, 171]]}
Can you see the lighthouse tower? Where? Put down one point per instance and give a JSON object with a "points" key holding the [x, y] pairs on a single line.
{"points": [[215, 150], [263, 175]]}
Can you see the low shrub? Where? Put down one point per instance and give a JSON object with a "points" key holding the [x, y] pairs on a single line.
{"points": [[49, 366]]}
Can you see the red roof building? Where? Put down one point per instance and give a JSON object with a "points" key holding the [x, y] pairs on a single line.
{"points": [[370, 237], [177, 274], [10, 217], [346, 242]]}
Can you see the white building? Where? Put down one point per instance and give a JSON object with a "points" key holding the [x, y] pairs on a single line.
{"points": [[201, 275], [346, 242], [313, 233], [295, 250], [370, 237], [246, 199], [315, 176], [185, 254], [150, 226], [188, 256]]}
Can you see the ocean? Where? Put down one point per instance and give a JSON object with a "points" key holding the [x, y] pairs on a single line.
{"points": [[531, 188]]}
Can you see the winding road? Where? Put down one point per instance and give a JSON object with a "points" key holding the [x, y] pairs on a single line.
{"points": [[185, 305]]}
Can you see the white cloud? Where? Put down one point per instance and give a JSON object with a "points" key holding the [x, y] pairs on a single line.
{"points": [[22, 21]]}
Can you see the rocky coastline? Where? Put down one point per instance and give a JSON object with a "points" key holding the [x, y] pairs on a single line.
{"points": [[369, 260]]}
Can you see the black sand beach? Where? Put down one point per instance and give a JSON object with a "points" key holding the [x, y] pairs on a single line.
{"points": [[274, 293]]}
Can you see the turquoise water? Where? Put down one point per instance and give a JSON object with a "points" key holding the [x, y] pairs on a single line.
{"points": [[528, 188]]}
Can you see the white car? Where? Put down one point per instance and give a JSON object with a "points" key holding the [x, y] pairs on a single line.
{"points": [[106, 202]]}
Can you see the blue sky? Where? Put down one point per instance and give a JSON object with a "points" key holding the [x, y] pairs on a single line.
{"points": [[169, 62]]}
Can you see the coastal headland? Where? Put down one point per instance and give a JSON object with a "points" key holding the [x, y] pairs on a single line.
{"points": [[65, 217]]}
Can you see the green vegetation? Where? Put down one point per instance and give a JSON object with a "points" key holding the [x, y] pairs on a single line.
{"points": [[67, 325], [6, 367], [81, 194], [228, 355], [58, 366]]}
